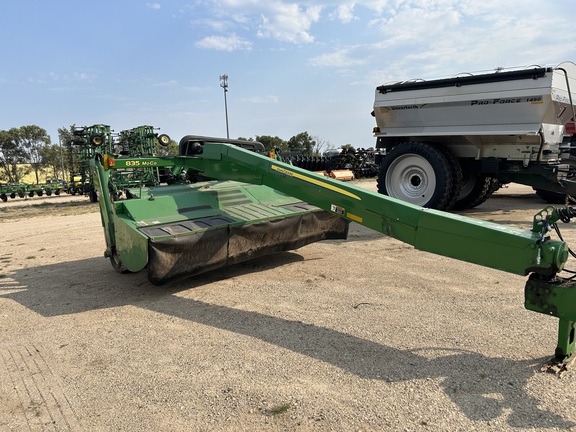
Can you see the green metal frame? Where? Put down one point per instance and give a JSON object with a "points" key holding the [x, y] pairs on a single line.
{"points": [[22, 190], [522, 252], [88, 142], [13, 190], [137, 142]]}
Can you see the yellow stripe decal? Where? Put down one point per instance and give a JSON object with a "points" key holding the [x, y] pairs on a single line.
{"points": [[314, 181], [354, 217]]}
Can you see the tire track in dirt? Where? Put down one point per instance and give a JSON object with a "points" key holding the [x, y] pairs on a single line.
{"points": [[31, 395]]}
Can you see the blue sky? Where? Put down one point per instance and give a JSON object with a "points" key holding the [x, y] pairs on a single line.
{"points": [[292, 66]]}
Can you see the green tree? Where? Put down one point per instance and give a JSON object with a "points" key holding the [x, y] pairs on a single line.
{"points": [[302, 143], [272, 142], [66, 138], [52, 159], [320, 145], [32, 140], [7, 146], [12, 156], [171, 149]]}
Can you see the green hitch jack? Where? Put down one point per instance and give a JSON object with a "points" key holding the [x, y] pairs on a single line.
{"points": [[555, 297], [565, 348]]}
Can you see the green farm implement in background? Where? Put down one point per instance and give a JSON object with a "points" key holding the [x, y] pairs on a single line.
{"points": [[19, 190], [137, 142], [86, 140], [23, 190], [140, 141]]}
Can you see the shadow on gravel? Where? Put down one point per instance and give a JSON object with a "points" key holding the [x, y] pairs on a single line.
{"points": [[483, 388]]}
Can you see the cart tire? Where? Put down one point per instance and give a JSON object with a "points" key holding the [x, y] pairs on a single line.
{"points": [[163, 139], [12, 195], [417, 173], [93, 196], [4, 198], [475, 190], [457, 176]]}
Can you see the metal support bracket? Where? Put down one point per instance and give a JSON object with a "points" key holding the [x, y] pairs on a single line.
{"points": [[556, 297]]}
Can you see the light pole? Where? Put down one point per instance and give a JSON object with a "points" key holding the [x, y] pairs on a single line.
{"points": [[224, 85], [61, 157]]}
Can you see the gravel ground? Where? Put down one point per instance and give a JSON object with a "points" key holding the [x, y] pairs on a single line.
{"points": [[366, 334]]}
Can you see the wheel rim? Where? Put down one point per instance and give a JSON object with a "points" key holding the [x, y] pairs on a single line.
{"points": [[164, 139], [411, 178], [97, 140]]}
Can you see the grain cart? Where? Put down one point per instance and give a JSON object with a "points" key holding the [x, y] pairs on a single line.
{"points": [[447, 143], [243, 204]]}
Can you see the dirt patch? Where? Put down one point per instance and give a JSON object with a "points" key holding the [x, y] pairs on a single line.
{"points": [[365, 334], [62, 205]]}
